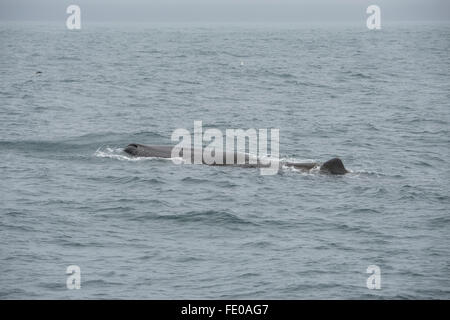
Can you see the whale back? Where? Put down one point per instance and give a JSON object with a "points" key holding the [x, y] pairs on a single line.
{"points": [[333, 166]]}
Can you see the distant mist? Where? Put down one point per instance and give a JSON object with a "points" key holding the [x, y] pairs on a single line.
{"points": [[225, 10]]}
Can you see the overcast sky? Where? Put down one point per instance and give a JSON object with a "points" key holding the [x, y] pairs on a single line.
{"points": [[225, 10]]}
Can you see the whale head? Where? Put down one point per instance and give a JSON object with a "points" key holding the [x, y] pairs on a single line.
{"points": [[333, 166], [140, 150], [132, 149]]}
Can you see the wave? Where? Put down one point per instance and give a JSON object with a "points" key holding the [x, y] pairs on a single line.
{"points": [[207, 216], [39, 146]]}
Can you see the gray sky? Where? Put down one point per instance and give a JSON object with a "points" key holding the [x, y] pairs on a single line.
{"points": [[225, 10]]}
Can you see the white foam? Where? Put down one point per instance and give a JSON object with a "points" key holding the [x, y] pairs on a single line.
{"points": [[358, 173], [114, 153], [312, 171], [119, 154]]}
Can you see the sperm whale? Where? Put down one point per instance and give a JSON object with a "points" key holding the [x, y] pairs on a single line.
{"points": [[333, 166]]}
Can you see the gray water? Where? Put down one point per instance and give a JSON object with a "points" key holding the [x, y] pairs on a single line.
{"points": [[148, 228]]}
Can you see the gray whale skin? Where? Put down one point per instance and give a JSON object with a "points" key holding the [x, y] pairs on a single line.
{"points": [[333, 166]]}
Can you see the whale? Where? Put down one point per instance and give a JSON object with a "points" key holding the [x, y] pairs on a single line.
{"points": [[333, 166]]}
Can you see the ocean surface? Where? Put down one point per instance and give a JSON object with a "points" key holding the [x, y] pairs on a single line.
{"points": [[151, 229]]}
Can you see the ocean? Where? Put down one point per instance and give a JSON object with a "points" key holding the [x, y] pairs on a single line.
{"points": [[146, 228]]}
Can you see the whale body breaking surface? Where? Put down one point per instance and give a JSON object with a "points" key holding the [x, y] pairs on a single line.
{"points": [[333, 166]]}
